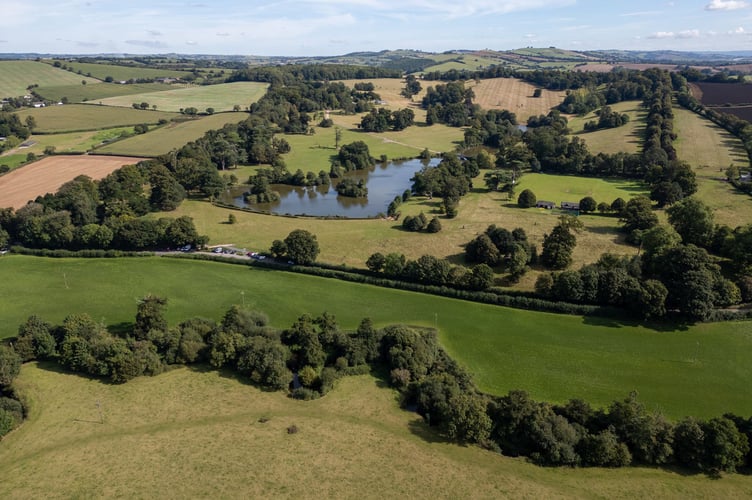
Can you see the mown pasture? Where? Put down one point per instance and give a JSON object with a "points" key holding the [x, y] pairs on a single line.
{"points": [[627, 138], [710, 150], [554, 357], [71, 142], [559, 188], [221, 97], [13, 160], [16, 76], [198, 433], [171, 136], [75, 117], [123, 73], [92, 93], [314, 152], [516, 96]]}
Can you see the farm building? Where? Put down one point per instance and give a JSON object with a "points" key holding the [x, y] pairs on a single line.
{"points": [[548, 205], [570, 205]]}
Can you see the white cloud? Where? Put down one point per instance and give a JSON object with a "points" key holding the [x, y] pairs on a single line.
{"points": [[688, 34], [726, 5], [663, 34], [678, 35]]}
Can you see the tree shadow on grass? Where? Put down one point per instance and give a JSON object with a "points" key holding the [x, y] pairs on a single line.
{"points": [[229, 374], [429, 434], [667, 326]]}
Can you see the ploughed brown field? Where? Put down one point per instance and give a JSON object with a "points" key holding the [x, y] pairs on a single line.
{"points": [[47, 175], [731, 98]]}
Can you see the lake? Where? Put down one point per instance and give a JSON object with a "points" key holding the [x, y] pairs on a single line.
{"points": [[384, 181]]}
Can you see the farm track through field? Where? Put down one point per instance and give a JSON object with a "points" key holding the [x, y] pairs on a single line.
{"points": [[48, 174]]}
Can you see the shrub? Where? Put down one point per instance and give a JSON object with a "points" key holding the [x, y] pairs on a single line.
{"points": [[526, 199]]}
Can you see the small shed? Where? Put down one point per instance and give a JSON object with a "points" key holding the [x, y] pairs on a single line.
{"points": [[570, 205], [548, 205]]}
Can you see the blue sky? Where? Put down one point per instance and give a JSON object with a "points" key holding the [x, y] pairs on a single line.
{"points": [[332, 27]]}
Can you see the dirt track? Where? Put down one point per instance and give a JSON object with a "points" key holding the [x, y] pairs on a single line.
{"points": [[47, 175]]}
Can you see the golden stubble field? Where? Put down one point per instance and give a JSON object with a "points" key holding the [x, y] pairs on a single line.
{"points": [[48, 174], [516, 96]]}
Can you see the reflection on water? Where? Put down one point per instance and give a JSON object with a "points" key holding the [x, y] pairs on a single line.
{"points": [[384, 182]]}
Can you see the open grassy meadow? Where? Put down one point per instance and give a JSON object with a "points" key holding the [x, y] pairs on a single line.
{"points": [[627, 138], [13, 160], [93, 93], [171, 136], [554, 357], [16, 76], [479, 209], [221, 97], [75, 117], [460, 62], [118, 73], [710, 150], [71, 142], [516, 96], [195, 433]]}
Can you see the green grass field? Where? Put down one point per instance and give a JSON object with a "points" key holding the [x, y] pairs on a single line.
{"points": [[16, 76], [191, 433], [627, 138], [558, 188], [710, 150], [554, 357], [71, 142], [102, 71], [221, 97], [314, 152], [93, 93], [74, 117], [172, 136], [460, 63], [12, 160]]}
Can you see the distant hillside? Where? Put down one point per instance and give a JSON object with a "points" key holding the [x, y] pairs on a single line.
{"points": [[414, 61]]}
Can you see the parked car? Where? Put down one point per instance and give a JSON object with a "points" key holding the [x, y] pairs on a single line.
{"points": [[218, 250]]}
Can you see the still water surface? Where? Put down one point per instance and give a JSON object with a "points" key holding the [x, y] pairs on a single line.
{"points": [[384, 182]]}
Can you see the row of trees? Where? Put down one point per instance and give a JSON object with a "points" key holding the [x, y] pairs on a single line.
{"points": [[430, 270], [319, 352], [12, 411], [106, 214]]}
